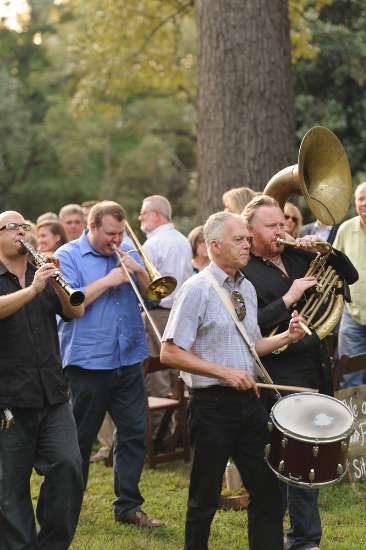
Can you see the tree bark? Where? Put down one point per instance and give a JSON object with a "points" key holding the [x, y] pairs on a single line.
{"points": [[246, 122]]}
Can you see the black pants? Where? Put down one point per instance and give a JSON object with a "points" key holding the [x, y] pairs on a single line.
{"points": [[227, 423]]}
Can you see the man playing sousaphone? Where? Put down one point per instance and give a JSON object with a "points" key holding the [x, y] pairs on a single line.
{"points": [[278, 275]]}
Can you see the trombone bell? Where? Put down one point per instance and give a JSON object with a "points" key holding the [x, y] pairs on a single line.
{"points": [[161, 286]]}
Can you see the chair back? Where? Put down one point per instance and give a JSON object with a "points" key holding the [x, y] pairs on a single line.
{"points": [[346, 365]]}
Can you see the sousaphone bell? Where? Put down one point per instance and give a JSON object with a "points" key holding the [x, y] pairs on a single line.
{"points": [[322, 176]]}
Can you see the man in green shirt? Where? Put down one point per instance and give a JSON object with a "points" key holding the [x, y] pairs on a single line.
{"points": [[351, 239]]}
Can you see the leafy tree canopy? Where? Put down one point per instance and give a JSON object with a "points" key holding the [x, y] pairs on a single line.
{"points": [[330, 90]]}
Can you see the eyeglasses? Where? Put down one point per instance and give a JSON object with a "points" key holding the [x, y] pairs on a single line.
{"points": [[147, 212], [293, 218], [239, 305], [15, 226]]}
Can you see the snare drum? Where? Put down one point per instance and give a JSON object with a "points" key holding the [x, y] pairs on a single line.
{"points": [[310, 434]]}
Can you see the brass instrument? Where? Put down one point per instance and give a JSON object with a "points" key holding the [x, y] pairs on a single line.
{"points": [[323, 177], [160, 286], [77, 297], [136, 290], [326, 292]]}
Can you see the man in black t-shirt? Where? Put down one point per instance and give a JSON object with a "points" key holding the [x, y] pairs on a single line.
{"points": [[34, 394]]}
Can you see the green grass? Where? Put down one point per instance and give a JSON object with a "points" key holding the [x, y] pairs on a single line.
{"points": [[165, 491]]}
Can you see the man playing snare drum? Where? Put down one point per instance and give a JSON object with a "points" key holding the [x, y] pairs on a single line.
{"points": [[226, 418]]}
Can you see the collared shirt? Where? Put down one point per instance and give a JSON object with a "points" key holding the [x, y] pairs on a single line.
{"points": [[351, 239], [171, 254], [30, 362], [322, 233], [111, 333], [200, 323], [330, 231]]}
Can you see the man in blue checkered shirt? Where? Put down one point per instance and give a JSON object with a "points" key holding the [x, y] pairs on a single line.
{"points": [[226, 417]]}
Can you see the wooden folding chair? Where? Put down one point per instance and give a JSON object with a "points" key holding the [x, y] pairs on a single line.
{"points": [[176, 402], [347, 364]]}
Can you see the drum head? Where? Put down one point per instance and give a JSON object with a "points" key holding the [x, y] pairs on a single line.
{"points": [[312, 416]]}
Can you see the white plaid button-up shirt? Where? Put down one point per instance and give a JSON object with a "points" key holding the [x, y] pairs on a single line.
{"points": [[200, 323]]}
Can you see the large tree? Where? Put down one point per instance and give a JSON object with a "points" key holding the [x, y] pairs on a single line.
{"points": [[246, 123]]}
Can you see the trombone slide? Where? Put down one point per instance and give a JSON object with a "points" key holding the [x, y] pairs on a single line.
{"points": [[137, 292]]}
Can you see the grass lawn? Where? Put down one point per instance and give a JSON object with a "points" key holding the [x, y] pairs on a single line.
{"points": [[342, 509]]}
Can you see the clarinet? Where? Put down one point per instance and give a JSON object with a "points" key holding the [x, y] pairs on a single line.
{"points": [[77, 297]]}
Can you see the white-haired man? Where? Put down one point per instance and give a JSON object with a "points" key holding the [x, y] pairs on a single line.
{"points": [[226, 417]]}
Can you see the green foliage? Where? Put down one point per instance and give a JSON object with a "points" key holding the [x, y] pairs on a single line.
{"points": [[16, 132], [330, 90], [124, 47], [125, 147], [301, 15]]}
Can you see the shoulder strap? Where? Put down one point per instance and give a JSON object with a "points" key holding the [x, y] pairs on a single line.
{"points": [[227, 303]]}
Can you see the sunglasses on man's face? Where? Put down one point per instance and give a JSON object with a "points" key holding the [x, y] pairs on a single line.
{"points": [[293, 218], [239, 305]]}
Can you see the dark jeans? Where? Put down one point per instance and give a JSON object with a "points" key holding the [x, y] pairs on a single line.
{"points": [[227, 423], [45, 439], [305, 529], [122, 393]]}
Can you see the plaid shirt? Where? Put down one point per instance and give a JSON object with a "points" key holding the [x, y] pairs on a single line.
{"points": [[200, 323]]}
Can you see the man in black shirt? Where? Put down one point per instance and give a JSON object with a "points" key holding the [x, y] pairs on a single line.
{"points": [[33, 390], [278, 275]]}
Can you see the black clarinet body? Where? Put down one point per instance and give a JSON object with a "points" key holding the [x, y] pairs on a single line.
{"points": [[77, 297]]}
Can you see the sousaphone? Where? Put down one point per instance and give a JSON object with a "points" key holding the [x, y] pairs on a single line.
{"points": [[322, 176]]}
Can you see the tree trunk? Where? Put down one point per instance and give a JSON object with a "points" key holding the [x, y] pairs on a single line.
{"points": [[246, 122]]}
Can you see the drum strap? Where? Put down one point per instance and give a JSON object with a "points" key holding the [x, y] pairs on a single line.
{"points": [[240, 325]]}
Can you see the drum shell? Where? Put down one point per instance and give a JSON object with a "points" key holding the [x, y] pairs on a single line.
{"points": [[307, 462]]}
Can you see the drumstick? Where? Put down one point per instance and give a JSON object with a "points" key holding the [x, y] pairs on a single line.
{"points": [[285, 388], [305, 327]]}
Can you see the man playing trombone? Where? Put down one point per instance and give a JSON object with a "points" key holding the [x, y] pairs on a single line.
{"points": [[37, 428], [279, 275], [102, 353]]}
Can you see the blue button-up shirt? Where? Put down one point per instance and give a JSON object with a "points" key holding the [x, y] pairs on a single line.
{"points": [[111, 333]]}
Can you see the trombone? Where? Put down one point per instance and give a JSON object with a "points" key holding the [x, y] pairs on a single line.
{"points": [[160, 286], [136, 290]]}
